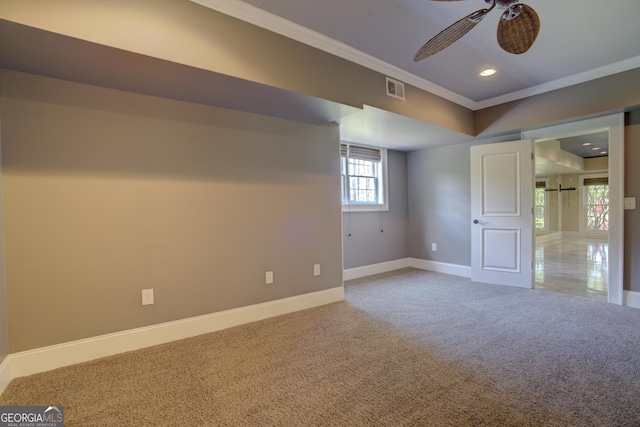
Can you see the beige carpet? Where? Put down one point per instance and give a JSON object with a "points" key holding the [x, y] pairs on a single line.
{"points": [[410, 348]]}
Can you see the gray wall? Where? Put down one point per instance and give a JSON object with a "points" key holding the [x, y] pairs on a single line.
{"points": [[439, 202], [595, 97], [367, 244], [4, 327], [183, 32], [107, 193], [632, 189]]}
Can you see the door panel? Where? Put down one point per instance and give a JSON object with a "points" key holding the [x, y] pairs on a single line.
{"points": [[504, 260], [502, 213], [500, 184]]}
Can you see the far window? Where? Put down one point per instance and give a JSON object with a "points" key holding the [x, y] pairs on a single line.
{"points": [[596, 196], [363, 177], [541, 204]]}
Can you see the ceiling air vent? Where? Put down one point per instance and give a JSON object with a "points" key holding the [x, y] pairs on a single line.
{"points": [[395, 89]]}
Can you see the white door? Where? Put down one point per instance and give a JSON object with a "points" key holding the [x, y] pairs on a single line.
{"points": [[502, 234]]}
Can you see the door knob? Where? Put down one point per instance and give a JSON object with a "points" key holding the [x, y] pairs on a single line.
{"points": [[475, 221]]}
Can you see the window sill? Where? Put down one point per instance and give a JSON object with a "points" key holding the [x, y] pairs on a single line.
{"points": [[365, 208]]}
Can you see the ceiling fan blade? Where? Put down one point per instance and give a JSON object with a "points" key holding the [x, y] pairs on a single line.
{"points": [[518, 28], [450, 34]]}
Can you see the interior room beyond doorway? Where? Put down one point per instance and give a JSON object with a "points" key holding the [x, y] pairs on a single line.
{"points": [[575, 266], [572, 215]]}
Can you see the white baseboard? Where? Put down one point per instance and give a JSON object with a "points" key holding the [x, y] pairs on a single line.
{"points": [[422, 264], [573, 234], [441, 267], [56, 356], [549, 237], [632, 299], [579, 235], [370, 270]]}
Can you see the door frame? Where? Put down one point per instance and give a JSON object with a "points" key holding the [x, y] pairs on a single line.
{"points": [[614, 125]]}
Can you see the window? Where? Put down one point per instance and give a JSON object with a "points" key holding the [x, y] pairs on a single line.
{"points": [[596, 197], [363, 177], [541, 204]]}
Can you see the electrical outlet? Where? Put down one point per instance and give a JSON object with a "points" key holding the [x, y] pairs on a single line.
{"points": [[268, 277], [434, 247], [630, 203], [147, 296], [316, 269]]}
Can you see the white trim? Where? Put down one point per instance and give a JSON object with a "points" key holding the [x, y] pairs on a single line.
{"points": [[549, 237], [441, 267], [632, 299], [383, 191], [65, 354], [596, 73], [422, 264], [582, 206], [579, 235], [545, 206], [616, 208], [284, 27], [614, 124], [370, 270]]}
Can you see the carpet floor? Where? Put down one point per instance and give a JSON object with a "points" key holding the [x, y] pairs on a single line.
{"points": [[406, 348]]}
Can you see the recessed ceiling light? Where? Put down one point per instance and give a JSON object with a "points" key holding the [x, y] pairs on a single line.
{"points": [[488, 72], [603, 152], [586, 143], [595, 148]]}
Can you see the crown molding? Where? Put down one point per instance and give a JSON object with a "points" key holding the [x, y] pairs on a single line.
{"points": [[253, 15], [596, 73], [261, 18]]}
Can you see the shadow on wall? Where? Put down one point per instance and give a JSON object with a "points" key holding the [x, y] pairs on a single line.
{"points": [[152, 137]]}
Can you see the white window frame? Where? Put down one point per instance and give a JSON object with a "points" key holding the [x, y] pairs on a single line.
{"points": [[383, 184], [545, 229], [583, 207]]}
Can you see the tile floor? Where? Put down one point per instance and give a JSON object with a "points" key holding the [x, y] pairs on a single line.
{"points": [[573, 266]]}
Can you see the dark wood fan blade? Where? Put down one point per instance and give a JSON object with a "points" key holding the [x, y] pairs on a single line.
{"points": [[517, 34], [450, 34]]}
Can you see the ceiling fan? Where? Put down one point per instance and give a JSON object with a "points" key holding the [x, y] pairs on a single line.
{"points": [[517, 29]]}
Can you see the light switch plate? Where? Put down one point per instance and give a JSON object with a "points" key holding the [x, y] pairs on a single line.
{"points": [[630, 203]]}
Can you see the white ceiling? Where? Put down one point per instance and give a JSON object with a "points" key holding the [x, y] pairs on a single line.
{"points": [[579, 40]]}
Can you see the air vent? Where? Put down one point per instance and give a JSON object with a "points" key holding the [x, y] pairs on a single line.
{"points": [[395, 89]]}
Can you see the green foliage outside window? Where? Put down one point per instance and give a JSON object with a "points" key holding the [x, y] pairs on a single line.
{"points": [[597, 207], [540, 206]]}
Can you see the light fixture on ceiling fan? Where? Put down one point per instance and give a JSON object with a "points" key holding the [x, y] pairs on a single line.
{"points": [[517, 29]]}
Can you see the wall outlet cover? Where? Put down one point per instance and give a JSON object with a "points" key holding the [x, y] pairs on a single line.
{"points": [[630, 203], [147, 296]]}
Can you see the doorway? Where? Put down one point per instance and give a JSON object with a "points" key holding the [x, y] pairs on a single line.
{"points": [[572, 215], [571, 257]]}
